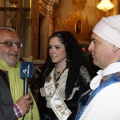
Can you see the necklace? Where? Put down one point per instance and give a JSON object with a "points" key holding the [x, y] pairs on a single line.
{"points": [[57, 76], [57, 72]]}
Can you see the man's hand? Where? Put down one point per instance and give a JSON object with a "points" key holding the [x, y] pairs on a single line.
{"points": [[25, 103]]}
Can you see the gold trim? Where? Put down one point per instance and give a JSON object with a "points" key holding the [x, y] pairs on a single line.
{"points": [[79, 5], [84, 34]]}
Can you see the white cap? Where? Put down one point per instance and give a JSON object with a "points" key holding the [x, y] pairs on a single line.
{"points": [[109, 29]]}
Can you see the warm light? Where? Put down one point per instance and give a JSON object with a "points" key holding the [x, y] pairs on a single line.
{"points": [[105, 5]]}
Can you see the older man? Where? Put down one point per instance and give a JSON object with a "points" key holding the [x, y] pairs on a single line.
{"points": [[13, 105], [104, 100]]}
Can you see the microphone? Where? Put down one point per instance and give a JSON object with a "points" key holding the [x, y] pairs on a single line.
{"points": [[26, 71]]}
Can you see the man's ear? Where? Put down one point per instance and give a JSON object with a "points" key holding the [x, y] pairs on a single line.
{"points": [[115, 49]]}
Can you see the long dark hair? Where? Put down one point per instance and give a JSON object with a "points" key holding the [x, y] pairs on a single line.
{"points": [[75, 59]]}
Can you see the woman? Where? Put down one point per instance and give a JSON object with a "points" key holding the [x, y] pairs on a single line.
{"points": [[63, 78]]}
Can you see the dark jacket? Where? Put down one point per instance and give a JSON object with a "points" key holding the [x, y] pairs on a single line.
{"points": [[6, 102]]}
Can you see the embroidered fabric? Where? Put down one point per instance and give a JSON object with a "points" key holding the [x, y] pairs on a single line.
{"points": [[85, 74], [62, 83], [61, 86]]}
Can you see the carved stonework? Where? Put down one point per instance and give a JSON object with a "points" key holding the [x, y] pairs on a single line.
{"points": [[53, 2], [78, 26], [79, 5], [56, 19]]}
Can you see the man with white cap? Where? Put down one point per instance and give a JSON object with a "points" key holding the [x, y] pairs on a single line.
{"points": [[103, 101]]}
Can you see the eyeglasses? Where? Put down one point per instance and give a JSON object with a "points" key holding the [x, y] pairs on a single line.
{"points": [[12, 44]]}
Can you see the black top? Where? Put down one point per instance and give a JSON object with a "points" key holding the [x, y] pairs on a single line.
{"points": [[6, 102]]}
